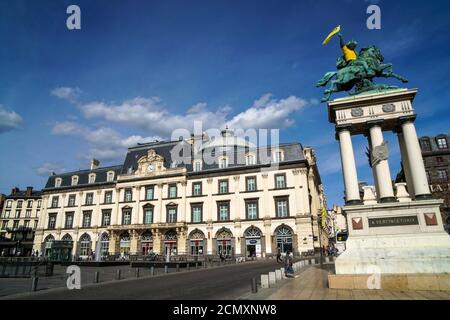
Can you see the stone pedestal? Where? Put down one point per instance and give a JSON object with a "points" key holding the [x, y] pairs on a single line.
{"points": [[395, 238], [390, 236]]}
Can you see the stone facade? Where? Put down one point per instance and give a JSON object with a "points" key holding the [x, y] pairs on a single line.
{"points": [[150, 204], [18, 221]]}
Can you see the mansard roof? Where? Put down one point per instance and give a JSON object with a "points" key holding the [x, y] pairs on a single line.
{"points": [[434, 144], [83, 177], [22, 194], [292, 152]]}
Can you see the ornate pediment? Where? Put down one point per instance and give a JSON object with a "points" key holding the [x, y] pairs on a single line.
{"points": [[150, 163]]}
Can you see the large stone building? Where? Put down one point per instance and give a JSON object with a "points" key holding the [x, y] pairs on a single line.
{"points": [[436, 157], [156, 203], [18, 221]]}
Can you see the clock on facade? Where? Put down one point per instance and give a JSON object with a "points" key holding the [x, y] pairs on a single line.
{"points": [[150, 168]]}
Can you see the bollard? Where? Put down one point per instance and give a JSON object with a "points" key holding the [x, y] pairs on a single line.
{"points": [[278, 275], [254, 285], [188, 266], [178, 267], [272, 278], [152, 270], [204, 265], [118, 274], [34, 283], [166, 269], [96, 276], [137, 272], [264, 281], [196, 265]]}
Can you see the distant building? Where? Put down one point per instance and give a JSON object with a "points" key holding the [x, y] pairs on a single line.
{"points": [[436, 156], [2, 201], [18, 221]]}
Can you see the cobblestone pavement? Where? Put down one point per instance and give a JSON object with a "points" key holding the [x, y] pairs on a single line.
{"points": [[312, 284]]}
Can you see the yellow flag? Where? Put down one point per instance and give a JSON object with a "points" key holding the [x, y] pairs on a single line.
{"points": [[335, 30], [324, 217]]}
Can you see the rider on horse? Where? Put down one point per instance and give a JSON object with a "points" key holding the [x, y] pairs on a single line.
{"points": [[350, 56]]}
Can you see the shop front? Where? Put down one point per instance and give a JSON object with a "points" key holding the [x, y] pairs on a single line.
{"points": [[253, 242]]}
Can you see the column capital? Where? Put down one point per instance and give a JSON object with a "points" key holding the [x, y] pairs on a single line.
{"points": [[409, 118], [376, 122], [341, 127]]}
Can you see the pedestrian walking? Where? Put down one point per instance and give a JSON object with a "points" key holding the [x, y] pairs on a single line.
{"points": [[288, 271], [279, 255]]}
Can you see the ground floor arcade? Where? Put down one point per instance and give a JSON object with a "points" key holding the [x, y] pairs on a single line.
{"points": [[256, 239]]}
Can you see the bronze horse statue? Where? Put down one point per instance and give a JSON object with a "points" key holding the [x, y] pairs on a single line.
{"points": [[359, 74]]}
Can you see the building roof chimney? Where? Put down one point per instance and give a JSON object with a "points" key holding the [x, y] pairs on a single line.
{"points": [[14, 190], [29, 191], [94, 164]]}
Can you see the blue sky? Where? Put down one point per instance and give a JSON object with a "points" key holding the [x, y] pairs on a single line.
{"points": [[139, 69]]}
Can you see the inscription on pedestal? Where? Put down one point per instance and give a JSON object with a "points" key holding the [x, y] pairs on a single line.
{"points": [[393, 221]]}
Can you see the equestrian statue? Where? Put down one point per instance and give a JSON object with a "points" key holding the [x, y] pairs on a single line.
{"points": [[357, 70]]}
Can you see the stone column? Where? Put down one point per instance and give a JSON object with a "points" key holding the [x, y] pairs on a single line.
{"points": [[405, 163], [382, 173], [348, 167], [414, 156]]}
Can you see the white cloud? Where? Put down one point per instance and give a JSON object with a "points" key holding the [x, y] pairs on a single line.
{"points": [[152, 116], [66, 93], [9, 120], [48, 168], [104, 143], [268, 113]]}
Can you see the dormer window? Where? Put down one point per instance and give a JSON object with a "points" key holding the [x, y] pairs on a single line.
{"points": [[425, 144], [223, 162], [278, 156], [58, 182], [92, 178], [442, 142], [250, 159], [74, 180], [110, 176], [197, 165]]}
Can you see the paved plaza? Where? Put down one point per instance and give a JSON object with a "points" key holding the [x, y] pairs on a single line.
{"points": [[311, 284], [222, 282]]}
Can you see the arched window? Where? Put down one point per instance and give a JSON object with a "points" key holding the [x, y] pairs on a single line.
{"points": [[146, 242], [85, 245], [67, 237], [110, 176], [49, 238], [196, 238], [58, 182], [170, 235], [47, 245], [92, 178], [252, 232], [224, 242], [74, 180], [104, 244], [125, 244], [283, 235]]}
